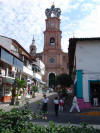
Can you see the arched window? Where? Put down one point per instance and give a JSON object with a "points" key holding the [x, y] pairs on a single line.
{"points": [[52, 41]]}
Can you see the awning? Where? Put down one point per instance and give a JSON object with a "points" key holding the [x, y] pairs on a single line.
{"points": [[39, 80], [29, 81]]}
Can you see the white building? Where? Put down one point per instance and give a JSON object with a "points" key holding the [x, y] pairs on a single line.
{"points": [[16, 62], [10, 64], [84, 66]]}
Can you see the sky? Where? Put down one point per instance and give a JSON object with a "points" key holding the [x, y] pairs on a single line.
{"points": [[21, 19]]}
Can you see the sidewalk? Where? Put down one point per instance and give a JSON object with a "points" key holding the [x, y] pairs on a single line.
{"points": [[38, 97]]}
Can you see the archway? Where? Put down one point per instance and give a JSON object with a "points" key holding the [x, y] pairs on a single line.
{"points": [[95, 86], [51, 80], [52, 41]]}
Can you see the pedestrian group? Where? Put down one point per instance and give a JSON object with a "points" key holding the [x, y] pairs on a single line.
{"points": [[58, 105]]}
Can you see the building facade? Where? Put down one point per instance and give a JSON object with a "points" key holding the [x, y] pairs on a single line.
{"points": [[55, 60], [84, 67], [10, 67], [16, 62]]}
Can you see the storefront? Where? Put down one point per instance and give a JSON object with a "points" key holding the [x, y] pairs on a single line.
{"points": [[7, 79], [5, 88]]}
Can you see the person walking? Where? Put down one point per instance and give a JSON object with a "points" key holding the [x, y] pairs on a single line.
{"points": [[56, 103], [74, 104], [45, 107]]}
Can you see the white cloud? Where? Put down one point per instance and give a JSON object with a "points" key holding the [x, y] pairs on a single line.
{"points": [[24, 18], [20, 19], [87, 6], [89, 27]]}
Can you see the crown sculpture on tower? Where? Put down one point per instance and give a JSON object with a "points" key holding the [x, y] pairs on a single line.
{"points": [[56, 12]]}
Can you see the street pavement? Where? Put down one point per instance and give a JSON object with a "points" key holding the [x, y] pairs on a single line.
{"points": [[63, 118]]}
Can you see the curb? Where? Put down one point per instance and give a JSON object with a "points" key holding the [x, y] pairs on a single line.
{"points": [[65, 124]]}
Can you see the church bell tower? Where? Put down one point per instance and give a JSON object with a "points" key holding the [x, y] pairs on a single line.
{"points": [[52, 34], [54, 58], [33, 49]]}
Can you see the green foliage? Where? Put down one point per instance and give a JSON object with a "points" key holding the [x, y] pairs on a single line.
{"points": [[17, 85], [20, 83], [35, 88], [19, 121], [64, 80]]}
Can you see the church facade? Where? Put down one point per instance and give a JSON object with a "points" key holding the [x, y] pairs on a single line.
{"points": [[55, 60]]}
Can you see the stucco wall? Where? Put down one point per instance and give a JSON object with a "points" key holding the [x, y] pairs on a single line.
{"points": [[88, 60], [87, 56]]}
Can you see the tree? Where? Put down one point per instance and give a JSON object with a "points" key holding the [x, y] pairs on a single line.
{"points": [[17, 85], [63, 80], [20, 84]]}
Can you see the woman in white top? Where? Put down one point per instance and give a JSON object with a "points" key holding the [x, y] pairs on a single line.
{"points": [[44, 106], [75, 104], [56, 102]]}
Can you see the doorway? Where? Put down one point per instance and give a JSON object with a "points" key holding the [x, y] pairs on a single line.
{"points": [[51, 80], [94, 86]]}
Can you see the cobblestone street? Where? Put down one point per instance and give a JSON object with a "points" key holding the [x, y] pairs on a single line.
{"points": [[63, 117]]}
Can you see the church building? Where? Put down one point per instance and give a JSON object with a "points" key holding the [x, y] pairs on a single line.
{"points": [[55, 60]]}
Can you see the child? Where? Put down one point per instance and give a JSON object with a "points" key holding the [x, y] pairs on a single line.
{"points": [[61, 104]]}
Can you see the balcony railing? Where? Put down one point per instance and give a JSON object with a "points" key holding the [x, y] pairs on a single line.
{"points": [[27, 71], [10, 74]]}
